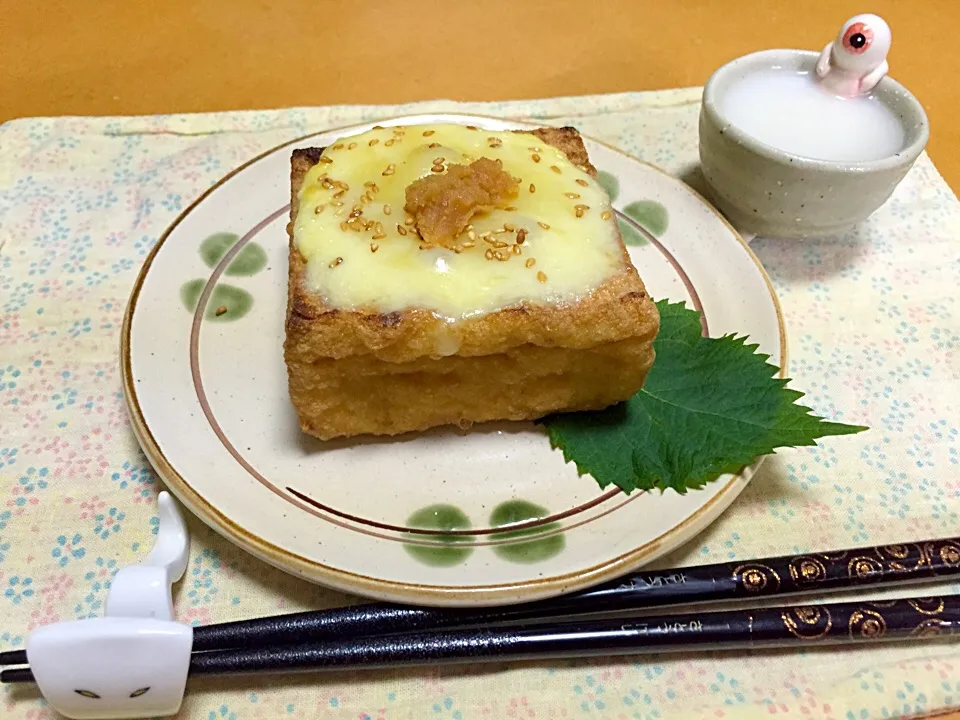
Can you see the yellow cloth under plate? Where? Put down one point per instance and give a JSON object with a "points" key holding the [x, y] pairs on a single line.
{"points": [[874, 333]]}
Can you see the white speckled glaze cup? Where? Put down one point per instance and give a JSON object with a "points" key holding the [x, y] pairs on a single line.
{"points": [[773, 193]]}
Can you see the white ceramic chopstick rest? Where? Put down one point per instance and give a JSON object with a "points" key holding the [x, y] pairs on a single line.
{"points": [[133, 662]]}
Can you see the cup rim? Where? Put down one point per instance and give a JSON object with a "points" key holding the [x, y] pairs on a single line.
{"points": [[906, 156]]}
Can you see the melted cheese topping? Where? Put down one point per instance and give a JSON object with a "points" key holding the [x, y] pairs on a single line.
{"points": [[569, 246]]}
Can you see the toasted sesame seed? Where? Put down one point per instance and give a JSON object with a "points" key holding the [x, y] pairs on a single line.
{"points": [[338, 203], [391, 168], [606, 215], [356, 212], [535, 157], [359, 227], [502, 256], [379, 236], [221, 310], [339, 194], [401, 229], [325, 159], [530, 263], [543, 225], [494, 142], [428, 133], [582, 183], [378, 127], [471, 234], [488, 254], [542, 276], [399, 131], [336, 262], [533, 188], [521, 236], [373, 142], [378, 227], [509, 227], [367, 224], [517, 250], [580, 209], [439, 160], [318, 209], [387, 209], [389, 142], [511, 208], [555, 169], [368, 196], [499, 244], [374, 247], [433, 145], [409, 220], [572, 196], [369, 184], [437, 169], [338, 146], [472, 127], [351, 146]]}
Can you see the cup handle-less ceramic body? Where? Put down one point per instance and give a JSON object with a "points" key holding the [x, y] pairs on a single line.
{"points": [[772, 193]]}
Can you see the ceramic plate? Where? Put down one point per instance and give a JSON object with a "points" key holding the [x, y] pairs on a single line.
{"points": [[208, 398]]}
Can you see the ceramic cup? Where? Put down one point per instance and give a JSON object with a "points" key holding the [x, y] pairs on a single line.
{"points": [[769, 192]]}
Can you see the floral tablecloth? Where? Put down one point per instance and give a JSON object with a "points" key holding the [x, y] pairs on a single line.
{"points": [[874, 338]]}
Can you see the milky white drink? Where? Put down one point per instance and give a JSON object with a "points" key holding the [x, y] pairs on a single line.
{"points": [[791, 111]]}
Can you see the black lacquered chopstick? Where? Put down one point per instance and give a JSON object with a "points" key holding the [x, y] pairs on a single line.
{"points": [[784, 575], [793, 626], [878, 566]]}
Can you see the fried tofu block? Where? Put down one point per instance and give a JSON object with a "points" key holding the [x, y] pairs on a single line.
{"points": [[446, 275]]}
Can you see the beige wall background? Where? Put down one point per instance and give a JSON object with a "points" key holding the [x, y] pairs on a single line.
{"points": [[105, 57]]}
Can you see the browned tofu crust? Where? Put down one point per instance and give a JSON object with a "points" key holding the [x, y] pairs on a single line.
{"points": [[357, 372]]}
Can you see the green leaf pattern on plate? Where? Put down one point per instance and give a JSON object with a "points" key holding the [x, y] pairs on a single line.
{"points": [[233, 302], [440, 517], [649, 214], [530, 551], [532, 548]]}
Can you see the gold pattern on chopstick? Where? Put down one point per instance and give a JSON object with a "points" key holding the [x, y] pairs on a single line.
{"points": [[757, 578], [863, 567], [927, 606], [807, 569], [866, 625], [807, 623], [933, 627], [950, 554]]}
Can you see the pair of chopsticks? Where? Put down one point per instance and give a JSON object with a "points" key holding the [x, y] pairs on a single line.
{"points": [[384, 635]]}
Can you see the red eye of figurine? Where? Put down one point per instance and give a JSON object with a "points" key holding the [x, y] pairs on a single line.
{"points": [[857, 38]]}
